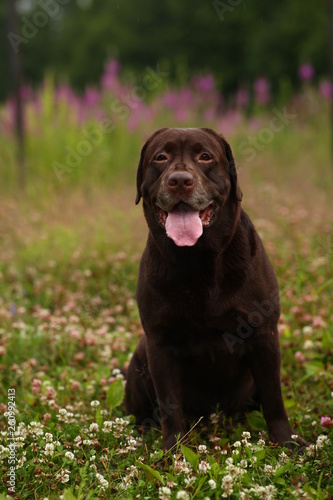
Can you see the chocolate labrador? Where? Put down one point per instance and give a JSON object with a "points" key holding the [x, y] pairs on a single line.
{"points": [[207, 294]]}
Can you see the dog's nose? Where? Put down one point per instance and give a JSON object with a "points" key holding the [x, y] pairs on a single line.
{"points": [[180, 180]]}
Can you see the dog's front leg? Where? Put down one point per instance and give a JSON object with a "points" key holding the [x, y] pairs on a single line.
{"points": [[265, 360], [166, 375]]}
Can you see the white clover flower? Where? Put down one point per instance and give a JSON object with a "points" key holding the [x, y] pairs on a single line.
{"points": [[261, 443], [308, 345], [164, 493], [294, 436], [48, 437], [321, 440], [102, 482], [227, 485], [202, 448], [246, 435], [307, 330], [283, 458], [107, 426], [4, 452], [63, 476], [212, 484], [182, 495], [237, 444], [94, 427], [203, 466], [49, 449], [94, 404], [69, 455], [62, 412], [189, 480], [268, 469]]}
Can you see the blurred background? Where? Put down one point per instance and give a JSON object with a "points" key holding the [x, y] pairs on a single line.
{"points": [[85, 82]]}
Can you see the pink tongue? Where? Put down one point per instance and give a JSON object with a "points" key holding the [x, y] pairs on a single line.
{"points": [[184, 226]]}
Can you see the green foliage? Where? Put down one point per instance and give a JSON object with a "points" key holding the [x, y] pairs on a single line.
{"points": [[237, 41]]}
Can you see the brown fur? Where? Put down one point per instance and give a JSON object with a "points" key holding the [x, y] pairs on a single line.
{"points": [[209, 311]]}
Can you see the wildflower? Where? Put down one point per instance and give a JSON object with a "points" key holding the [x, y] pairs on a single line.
{"points": [[262, 91], [181, 466], [214, 418], [283, 458], [308, 345], [212, 484], [49, 449], [203, 466], [268, 469], [94, 404], [307, 330], [326, 422], [294, 436], [48, 437], [326, 89], [237, 444], [94, 427], [63, 476], [202, 448], [102, 482], [306, 72], [4, 452], [246, 435], [321, 441], [164, 493], [299, 356], [227, 485], [36, 429], [69, 455], [182, 495]]}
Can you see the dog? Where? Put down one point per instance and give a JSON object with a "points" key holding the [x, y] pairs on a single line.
{"points": [[207, 294]]}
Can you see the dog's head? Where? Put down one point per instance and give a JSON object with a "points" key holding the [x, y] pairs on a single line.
{"points": [[188, 181]]}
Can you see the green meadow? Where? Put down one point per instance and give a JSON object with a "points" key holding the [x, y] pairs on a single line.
{"points": [[70, 246]]}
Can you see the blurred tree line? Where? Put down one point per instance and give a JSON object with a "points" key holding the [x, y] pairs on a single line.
{"points": [[237, 40]]}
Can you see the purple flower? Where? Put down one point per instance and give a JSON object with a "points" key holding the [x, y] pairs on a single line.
{"points": [[91, 97], [110, 76], [171, 99], [262, 94], [306, 72], [204, 83], [242, 98], [326, 89], [326, 422]]}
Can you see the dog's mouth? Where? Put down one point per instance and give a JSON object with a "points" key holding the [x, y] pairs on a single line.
{"points": [[184, 224]]}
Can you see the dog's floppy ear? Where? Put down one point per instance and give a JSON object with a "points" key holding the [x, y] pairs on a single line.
{"points": [[232, 170], [139, 173]]}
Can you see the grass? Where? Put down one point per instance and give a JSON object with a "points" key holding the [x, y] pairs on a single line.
{"points": [[69, 321]]}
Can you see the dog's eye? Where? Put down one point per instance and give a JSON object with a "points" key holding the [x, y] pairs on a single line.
{"points": [[205, 157], [161, 157]]}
